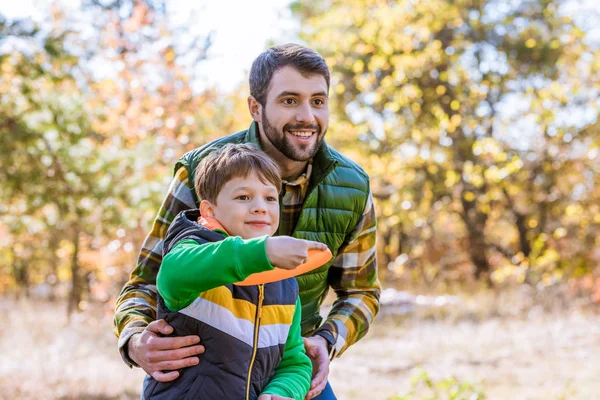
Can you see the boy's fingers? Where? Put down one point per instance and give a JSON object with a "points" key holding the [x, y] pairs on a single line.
{"points": [[316, 245]]}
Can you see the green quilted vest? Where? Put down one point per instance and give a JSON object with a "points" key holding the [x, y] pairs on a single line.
{"points": [[335, 199]]}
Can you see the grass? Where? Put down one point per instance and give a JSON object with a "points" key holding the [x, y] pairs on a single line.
{"points": [[534, 354]]}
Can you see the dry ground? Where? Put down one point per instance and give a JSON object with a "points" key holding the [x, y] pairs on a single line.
{"points": [[534, 356]]}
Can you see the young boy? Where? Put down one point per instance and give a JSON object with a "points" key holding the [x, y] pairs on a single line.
{"points": [[251, 333]]}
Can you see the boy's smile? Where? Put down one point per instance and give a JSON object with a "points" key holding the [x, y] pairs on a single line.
{"points": [[246, 207]]}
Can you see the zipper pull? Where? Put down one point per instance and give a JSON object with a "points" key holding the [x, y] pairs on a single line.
{"points": [[261, 296]]}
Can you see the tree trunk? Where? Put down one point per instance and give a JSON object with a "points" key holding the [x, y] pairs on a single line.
{"points": [[76, 286], [475, 223], [52, 277], [20, 275]]}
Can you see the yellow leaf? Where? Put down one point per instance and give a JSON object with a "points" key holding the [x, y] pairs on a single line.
{"points": [[560, 233], [469, 196]]}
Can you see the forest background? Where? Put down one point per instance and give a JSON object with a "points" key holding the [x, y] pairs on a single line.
{"points": [[477, 121]]}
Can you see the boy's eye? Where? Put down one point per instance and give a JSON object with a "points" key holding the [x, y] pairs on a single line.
{"points": [[242, 197], [271, 198]]}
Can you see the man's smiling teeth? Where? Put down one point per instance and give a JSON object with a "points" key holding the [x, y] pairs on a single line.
{"points": [[301, 134]]}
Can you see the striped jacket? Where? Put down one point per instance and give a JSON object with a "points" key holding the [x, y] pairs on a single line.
{"points": [[251, 333]]}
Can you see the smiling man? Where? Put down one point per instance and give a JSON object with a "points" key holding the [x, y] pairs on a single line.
{"points": [[325, 197]]}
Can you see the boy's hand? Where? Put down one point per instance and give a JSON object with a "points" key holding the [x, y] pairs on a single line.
{"points": [[160, 356], [287, 252], [272, 397]]}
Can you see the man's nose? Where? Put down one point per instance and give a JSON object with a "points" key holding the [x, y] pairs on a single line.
{"points": [[305, 114]]}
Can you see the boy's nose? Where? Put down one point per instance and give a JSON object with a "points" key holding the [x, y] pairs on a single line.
{"points": [[258, 208]]}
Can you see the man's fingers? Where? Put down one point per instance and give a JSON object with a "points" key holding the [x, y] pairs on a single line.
{"points": [[175, 354], [314, 392], [185, 352], [160, 326], [320, 378], [165, 377], [172, 343], [172, 365]]}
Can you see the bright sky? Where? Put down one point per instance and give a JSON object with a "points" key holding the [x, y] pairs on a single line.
{"points": [[242, 30]]}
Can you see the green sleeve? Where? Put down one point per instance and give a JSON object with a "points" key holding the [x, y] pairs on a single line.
{"points": [[191, 268], [294, 372]]}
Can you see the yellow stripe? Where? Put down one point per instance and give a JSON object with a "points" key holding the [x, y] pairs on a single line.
{"points": [[277, 314], [239, 308]]}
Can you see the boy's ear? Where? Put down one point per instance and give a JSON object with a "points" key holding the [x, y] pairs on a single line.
{"points": [[255, 109], [206, 209]]}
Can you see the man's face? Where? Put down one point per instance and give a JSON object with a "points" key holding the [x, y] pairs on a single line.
{"points": [[296, 113], [247, 207]]}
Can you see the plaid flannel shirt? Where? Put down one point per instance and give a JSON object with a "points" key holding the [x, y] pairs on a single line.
{"points": [[357, 287]]}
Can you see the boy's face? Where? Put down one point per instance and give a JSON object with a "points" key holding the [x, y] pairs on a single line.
{"points": [[246, 207]]}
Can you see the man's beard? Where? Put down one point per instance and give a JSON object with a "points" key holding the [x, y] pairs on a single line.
{"points": [[282, 142]]}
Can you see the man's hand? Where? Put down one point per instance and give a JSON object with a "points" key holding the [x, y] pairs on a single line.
{"points": [[316, 349], [155, 354], [287, 252], [272, 397]]}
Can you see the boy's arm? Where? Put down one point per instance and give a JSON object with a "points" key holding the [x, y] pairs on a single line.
{"points": [[136, 305], [353, 276], [191, 268], [293, 374]]}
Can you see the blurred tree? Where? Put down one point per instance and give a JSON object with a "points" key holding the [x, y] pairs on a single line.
{"points": [[95, 108], [463, 114]]}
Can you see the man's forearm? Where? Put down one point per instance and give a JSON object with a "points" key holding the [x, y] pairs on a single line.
{"points": [[350, 319], [135, 309], [136, 305], [354, 278]]}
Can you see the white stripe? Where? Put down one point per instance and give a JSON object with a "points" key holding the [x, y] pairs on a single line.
{"points": [[369, 204], [342, 333], [272, 335], [221, 318]]}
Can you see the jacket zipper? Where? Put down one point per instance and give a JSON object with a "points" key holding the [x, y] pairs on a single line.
{"points": [[261, 296]]}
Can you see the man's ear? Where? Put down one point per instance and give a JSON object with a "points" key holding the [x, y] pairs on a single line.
{"points": [[255, 109], [207, 209]]}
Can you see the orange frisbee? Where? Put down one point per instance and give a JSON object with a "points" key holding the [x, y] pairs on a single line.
{"points": [[315, 259]]}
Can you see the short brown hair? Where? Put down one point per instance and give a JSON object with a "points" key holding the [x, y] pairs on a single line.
{"points": [[233, 161], [305, 60]]}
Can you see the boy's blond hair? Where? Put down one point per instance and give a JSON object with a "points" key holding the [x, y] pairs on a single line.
{"points": [[233, 161]]}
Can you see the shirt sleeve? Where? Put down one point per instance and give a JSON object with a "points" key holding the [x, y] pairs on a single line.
{"points": [[136, 304], [293, 374], [191, 268], [353, 277]]}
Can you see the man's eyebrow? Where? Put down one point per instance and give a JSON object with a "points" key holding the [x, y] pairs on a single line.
{"points": [[288, 93]]}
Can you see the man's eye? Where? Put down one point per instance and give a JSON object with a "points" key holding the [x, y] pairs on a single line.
{"points": [[319, 102], [289, 101]]}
